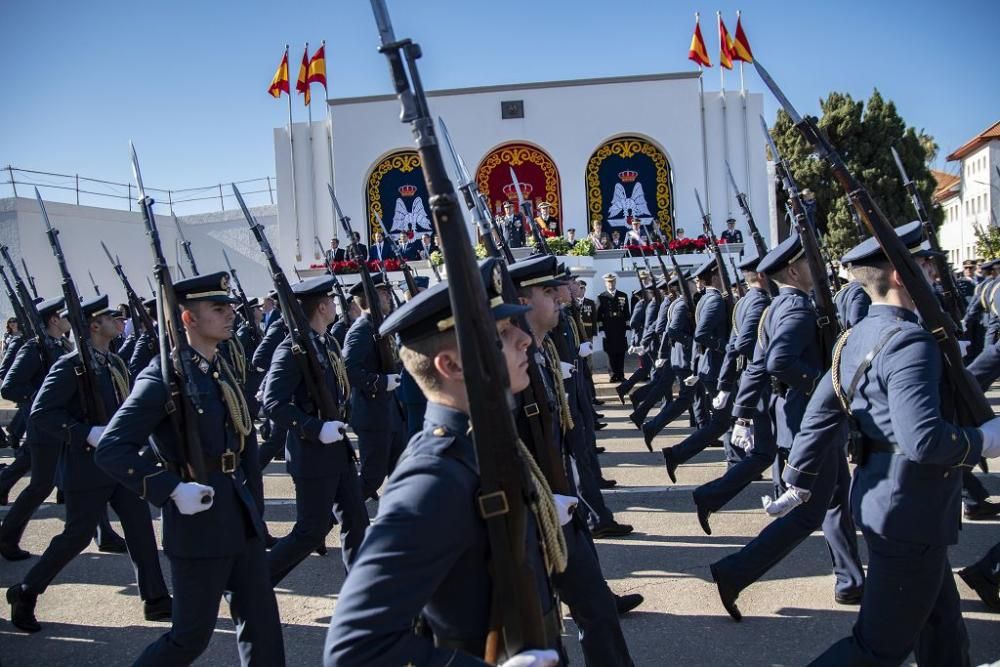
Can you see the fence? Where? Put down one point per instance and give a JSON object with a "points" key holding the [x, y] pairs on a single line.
{"points": [[109, 194]]}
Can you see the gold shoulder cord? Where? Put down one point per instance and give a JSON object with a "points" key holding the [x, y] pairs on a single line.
{"points": [[339, 367], [838, 349], [544, 507], [574, 330], [761, 326], [993, 292], [239, 358], [119, 377], [565, 419], [232, 396]]}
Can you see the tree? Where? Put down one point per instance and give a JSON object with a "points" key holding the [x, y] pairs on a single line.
{"points": [[862, 134], [988, 242]]}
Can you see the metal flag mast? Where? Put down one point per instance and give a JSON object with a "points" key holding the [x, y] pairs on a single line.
{"points": [[746, 132], [291, 152], [723, 49]]}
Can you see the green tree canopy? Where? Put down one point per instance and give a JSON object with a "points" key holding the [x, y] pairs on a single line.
{"points": [[862, 134]]}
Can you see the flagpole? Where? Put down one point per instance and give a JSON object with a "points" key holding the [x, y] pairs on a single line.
{"points": [[746, 132], [723, 48], [295, 197], [704, 136], [312, 161]]}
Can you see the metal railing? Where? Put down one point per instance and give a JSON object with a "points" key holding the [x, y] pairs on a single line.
{"points": [[110, 194]]}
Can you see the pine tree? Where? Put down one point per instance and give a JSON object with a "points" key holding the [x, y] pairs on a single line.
{"points": [[862, 134]]}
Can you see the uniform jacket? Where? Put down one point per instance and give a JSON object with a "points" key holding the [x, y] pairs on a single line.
{"points": [[680, 334], [588, 313], [743, 337], [851, 302], [386, 252], [649, 340], [612, 318], [146, 347], [372, 407], [29, 368], [711, 334], [638, 320], [9, 354], [513, 230]]}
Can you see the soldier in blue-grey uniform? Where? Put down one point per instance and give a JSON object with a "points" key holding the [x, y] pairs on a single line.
{"points": [[272, 435], [20, 385], [427, 554], [977, 313], [852, 302], [709, 334], [145, 343], [661, 380], [212, 532], [642, 323], [318, 454], [59, 417], [887, 388], [788, 360]]}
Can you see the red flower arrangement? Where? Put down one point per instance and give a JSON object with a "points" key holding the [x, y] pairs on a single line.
{"points": [[351, 266], [688, 245], [648, 248]]}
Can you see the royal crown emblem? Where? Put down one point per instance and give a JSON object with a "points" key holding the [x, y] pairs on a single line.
{"points": [[628, 176], [510, 191], [407, 190]]}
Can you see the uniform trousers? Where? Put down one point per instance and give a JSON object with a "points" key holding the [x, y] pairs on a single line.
{"points": [[44, 462], [660, 386], [640, 374], [687, 397], [378, 451], [273, 443], [746, 468], [198, 585], [910, 603]]}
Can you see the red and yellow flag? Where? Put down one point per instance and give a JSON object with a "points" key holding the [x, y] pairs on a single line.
{"points": [[698, 52], [317, 66], [741, 46], [302, 85], [725, 46], [279, 84]]}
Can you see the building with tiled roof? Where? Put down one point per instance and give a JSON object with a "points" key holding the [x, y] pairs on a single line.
{"points": [[970, 194]]}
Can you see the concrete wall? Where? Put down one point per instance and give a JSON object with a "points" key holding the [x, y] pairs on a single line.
{"points": [[569, 120], [82, 228]]}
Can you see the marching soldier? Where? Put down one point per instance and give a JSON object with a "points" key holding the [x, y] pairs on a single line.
{"points": [[318, 454], [661, 380], [57, 416], [612, 319], [212, 533]]}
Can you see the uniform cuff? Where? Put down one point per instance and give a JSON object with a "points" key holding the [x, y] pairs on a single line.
{"points": [[157, 486], [799, 478]]}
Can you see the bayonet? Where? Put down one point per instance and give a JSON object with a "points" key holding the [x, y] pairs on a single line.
{"points": [[97, 290], [186, 245], [31, 278]]}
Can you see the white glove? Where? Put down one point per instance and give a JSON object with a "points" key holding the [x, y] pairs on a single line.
{"points": [[720, 400], [963, 345], [640, 350], [547, 658], [95, 435], [332, 432], [743, 436], [566, 369], [586, 349], [691, 380], [786, 502], [659, 363], [391, 381], [189, 497], [991, 438], [565, 506]]}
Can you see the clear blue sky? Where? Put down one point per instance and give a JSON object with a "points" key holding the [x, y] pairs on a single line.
{"points": [[186, 80]]}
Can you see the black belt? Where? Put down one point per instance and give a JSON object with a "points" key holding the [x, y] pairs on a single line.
{"points": [[227, 464], [879, 447], [477, 645]]}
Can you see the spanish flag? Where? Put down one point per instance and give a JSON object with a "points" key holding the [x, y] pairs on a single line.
{"points": [[741, 46], [317, 66], [725, 46], [302, 85], [698, 52], [279, 84]]}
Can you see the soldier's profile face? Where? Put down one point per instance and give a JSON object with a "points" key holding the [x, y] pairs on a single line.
{"points": [[515, 351], [211, 320]]}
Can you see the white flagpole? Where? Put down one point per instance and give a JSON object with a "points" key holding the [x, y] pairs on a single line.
{"points": [[312, 162], [291, 151], [329, 146], [704, 137], [746, 133], [725, 125]]}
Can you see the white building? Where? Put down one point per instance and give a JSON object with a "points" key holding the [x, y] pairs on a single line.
{"points": [[970, 199]]}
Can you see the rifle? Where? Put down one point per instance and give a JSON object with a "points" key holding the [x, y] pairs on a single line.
{"points": [[969, 397], [186, 245], [178, 367], [408, 273], [35, 326], [15, 304], [519, 621], [536, 232], [134, 302], [827, 322], [489, 231], [149, 284], [97, 290], [93, 403], [949, 288], [337, 285], [245, 308], [741, 198], [31, 278], [736, 276], [713, 245], [304, 349], [386, 354], [656, 252]]}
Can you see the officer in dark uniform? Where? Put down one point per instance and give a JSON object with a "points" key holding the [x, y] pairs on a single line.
{"points": [[730, 234], [58, 416], [215, 546], [966, 281], [146, 344], [318, 455], [905, 493], [427, 554], [588, 312], [512, 225], [612, 318], [20, 385], [376, 414]]}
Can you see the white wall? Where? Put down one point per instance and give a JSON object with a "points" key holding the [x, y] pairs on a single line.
{"points": [[82, 228], [978, 203], [569, 120]]}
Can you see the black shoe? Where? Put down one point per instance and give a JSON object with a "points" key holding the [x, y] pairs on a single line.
{"points": [[600, 450], [611, 529], [4, 500], [598, 401], [727, 596], [703, 515], [60, 497], [600, 425], [598, 415], [22, 609], [12, 552], [647, 437], [321, 549], [851, 599], [621, 394], [113, 547], [715, 443], [270, 541], [158, 609], [668, 460], [607, 483], [635, 419], [626, 603], [982, 510], [987, 591]]}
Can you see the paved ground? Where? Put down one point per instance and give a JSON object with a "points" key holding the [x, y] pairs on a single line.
{"points": [[93, 617]]}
